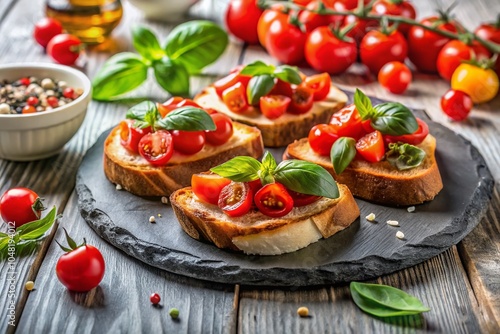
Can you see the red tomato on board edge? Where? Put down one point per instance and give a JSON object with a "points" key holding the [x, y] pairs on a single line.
{"points": [[242, 17], [20, 206], [377, 49]]}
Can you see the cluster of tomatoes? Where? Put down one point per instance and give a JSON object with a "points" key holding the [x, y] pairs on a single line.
{"points": [[371, 144], [157, 147], [292, 37], [63, 48], [238, 198]]}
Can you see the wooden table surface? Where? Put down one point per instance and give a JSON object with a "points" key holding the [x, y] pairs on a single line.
{"points": [[461, 285]]}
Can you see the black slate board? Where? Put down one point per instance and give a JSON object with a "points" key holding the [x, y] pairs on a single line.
{"points": [[364, 250]]}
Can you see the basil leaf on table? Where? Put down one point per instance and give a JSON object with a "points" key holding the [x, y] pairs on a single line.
{"points": [[393, 118], [257, 68], [239, 169], [187, 119], [259, 86], [172, 77], [405, 156], [342, 153], [363, 104], [288, 73], [146, 43], [196, 44]]}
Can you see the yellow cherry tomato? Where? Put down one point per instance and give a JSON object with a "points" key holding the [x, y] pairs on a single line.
{"points": [[479, 83]]}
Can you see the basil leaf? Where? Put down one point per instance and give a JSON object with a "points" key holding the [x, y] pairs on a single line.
{"points": [[239, 169], [267, 170], [196, 44], [37, 228], [173, 77], [145, 114], [405, 156], [259, 86], [187, 119], [378, 299], [393, 118], [288, 73], [306, 178], [257, 68], [268, 161], [342, 153], [120, 74], [363, 104], [146, 43]]}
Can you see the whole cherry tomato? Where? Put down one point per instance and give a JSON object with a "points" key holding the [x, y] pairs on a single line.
{"points": [[401, 8], [81, 269], [45, 29], [359, 27], [273, 200], [208, 186], [236, 199], [242, 17], [302, 2], [424, 45], [395, 77], [320, 85], [300, 199], [413, 139], [490, 32], [64, 48], [454, 52], [269, 15], [377, 49], [371, 146], [456, 104], [312, 20], [223, 130], [327, 51], [131, 135], [481, 84], [20, 206], [302, 100], [321, 138], [344, 5], [235, 98], [347, 122], [188, 142], [285, 41], [156, 147], [273, 106]]}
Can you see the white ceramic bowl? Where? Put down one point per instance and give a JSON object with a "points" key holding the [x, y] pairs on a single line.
{"points": [[26, 137], [164, 10]]}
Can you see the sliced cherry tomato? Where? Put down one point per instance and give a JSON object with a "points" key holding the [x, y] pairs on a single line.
{"points": [[223, 130], [455, 52], [396, 8], [273, 200], [321, 138], [300, 199], [282, 88], [255, 185], [20, 206], [157, 147], [188, 142], [479, 83], [413, 139], [242, 17], [377, 49], [232, 79], [395, 77], [302, 100], [371, 146], [320, 84], [208, 186], [174, 103], [235, 98], [273, 106], [45, 29], [131, 135], [64, 48], [285, 41], [236, 199], [347, 122], [456, 104]]}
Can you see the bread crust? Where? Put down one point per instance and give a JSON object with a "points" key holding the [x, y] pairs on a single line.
{"points": [[285, 129], [207, 222], [381, 182], [137, 176]]}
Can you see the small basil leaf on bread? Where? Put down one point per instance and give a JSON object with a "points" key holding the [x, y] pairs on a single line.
{"points": [[405, 156], [288, 73], [342, 153], [363, 104], [239, 169], [187, 119], [259, 86], [393, 118], [145, 114], [257, 68]]}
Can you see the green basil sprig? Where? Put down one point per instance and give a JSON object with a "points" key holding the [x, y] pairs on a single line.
{"points": [[263, 76], [404, 156], [342, 153], [297, 175], [385, 301], [189, 48]]}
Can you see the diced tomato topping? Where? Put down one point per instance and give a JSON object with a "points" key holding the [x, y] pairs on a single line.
{"points": [[273, 106], [371, 146]]}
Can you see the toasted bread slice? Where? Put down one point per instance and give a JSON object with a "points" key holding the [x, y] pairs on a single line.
{"points": [[381, 182], [286, 128], [137, 176], [256, 233]]}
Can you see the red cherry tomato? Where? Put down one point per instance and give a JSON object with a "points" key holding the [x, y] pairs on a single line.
{"points": [[325, 52], [312, 20], [320, 85], [223, 130], [285, 41], [424, 45], [273, 200], [208, 186], [302, 2], [395, 77], [490, 32], [454, 52], [131, 135], [347, 122], [156, 147], [242, 17], [64, 48], [266, 19], [371, 146], [228, 81], [46, 29], [396, 8], [359, 27], [236, 199], [300, 199], [81, 269], [235, 98], [174, 103], [377, 49], [273, 106], [413, 139], [20, 206], [155, 298], [282, 88], [321, 138], [456, 104], [302, 100], [188, 142]]}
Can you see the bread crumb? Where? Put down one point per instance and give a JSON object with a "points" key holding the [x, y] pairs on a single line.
{"points": [[411, 209], [393, 222], [119, 187], [164, 200], [303, 311], [400, 235], [370, 217], [29, 285], [159, 215], [152, 219]]}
